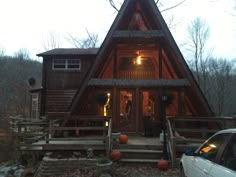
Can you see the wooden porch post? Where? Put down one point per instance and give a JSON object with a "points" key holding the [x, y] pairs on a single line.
{"points": [[115, 63], [160, 62], [137, 111], [181, 102], [163, 122], [114, 106]]}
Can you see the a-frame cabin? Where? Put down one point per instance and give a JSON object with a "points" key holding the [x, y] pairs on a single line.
{"points": [[138, 60]]}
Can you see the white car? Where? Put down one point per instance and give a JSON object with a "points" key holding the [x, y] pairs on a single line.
{"points": [[214, 158]]}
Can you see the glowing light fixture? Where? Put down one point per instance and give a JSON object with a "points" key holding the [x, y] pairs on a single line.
{"points": [[107, 103], [137, 60], [107, 123]]}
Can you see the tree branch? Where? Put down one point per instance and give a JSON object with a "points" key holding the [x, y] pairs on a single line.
{"points": [[174, 6]]}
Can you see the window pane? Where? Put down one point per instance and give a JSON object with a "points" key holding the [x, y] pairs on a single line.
{"points": [[210, 149], [59, 64], [73, 64], [228, 158]]}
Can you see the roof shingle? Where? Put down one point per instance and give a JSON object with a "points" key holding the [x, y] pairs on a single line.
{"points": [[70, 51]]}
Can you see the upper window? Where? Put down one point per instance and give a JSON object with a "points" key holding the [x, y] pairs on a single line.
{"points": [[66, 64]]}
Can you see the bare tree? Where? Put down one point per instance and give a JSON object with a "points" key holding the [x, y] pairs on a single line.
{"points": [[117, 3], [198, 36], [2, 52], [91, 41], [221, 82], [23, 54], [51, 41]]}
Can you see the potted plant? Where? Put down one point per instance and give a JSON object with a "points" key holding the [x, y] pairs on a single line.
{"points": [[101, 98], [103, 165]]}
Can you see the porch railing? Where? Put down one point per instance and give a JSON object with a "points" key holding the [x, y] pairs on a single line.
{"points": [[59, 130], [29, 130], [186, 132]]}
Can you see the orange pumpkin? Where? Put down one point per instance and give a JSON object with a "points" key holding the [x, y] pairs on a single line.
{"points": [[162, 165], [123, 138], [115, 155]]}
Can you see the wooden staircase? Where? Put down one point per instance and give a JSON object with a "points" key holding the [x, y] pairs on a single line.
{"points": [[139, 152], [59, 100]]}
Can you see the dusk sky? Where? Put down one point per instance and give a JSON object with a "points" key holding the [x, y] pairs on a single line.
{"points": [[26, 23]]}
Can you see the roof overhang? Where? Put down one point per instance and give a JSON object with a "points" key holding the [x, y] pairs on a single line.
{"points": [[140, 82]]}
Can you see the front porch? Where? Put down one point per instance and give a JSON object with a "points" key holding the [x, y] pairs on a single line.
{"points": [[37, 136]]}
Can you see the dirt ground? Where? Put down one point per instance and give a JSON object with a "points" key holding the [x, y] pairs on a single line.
{"points": [[125, 170]]}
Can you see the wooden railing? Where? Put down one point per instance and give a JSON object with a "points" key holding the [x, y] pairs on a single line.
{"points": [[29, 130], [183, 132], [59, 130]]}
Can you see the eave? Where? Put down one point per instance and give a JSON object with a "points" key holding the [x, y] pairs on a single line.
{"points": [[142, 83]]}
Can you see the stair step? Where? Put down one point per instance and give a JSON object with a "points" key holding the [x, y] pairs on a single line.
{"points": [[138, 160], [132, 146], [140, 151], [141, 154]]}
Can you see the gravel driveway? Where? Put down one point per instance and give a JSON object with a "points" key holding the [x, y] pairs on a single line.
{"points": [[125, 170]]}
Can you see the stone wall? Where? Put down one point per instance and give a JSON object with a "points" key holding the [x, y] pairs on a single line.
{"points": [[52, 167]]}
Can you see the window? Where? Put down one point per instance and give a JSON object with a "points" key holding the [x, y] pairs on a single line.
{"points": [[210, 149], [35, 106], [66, 64], [228, 158]]}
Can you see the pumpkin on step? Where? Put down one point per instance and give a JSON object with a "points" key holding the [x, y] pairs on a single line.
{"points": [[115, 155], [123, 138], [162, 165]]}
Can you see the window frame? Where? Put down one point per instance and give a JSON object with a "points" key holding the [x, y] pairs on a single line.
{"points": [[67, 64]]}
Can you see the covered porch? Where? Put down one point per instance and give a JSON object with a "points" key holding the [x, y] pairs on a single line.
{"points": [[34, 136]]}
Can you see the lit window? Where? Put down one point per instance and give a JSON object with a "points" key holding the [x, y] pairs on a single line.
{"points": [[66, 64]]}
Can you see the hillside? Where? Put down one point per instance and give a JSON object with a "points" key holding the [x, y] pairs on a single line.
{"points": [[14, 87]]}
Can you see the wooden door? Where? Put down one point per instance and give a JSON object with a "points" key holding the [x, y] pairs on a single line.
{"points": [[127, 118]]}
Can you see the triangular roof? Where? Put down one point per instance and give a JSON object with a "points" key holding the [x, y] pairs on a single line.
{"points": [[158, 30]]}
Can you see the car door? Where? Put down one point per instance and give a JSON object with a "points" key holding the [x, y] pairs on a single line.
{"points": [[226, 165], [206, 156]]}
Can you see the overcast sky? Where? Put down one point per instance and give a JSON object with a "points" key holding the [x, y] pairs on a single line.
{"points": [[26, 23]]}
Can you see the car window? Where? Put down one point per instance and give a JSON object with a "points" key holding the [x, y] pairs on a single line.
{"points": [[228, 158], [210, 149]]}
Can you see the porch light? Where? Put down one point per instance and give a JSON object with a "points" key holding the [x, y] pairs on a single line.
{"points": [[137, 60], [107, 103], [107, 123]]}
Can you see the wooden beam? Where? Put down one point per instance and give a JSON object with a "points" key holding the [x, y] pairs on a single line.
{"points": [[138, 34], [160, 62], [137, 110], [115, 63]]}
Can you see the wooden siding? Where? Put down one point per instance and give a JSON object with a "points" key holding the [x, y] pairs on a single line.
{"points": [[59, 100], [67, 79], [136, 75]]}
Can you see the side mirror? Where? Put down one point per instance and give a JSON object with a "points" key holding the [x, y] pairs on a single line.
{"points": [[190, 152]]}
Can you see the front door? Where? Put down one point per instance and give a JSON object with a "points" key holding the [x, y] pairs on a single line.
{"points": [[127, 118]]}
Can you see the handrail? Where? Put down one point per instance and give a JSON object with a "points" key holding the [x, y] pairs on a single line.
{"points": [[30, 130]]}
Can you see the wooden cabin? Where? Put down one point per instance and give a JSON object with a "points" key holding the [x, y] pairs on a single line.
{"points": [[137, 73]]}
